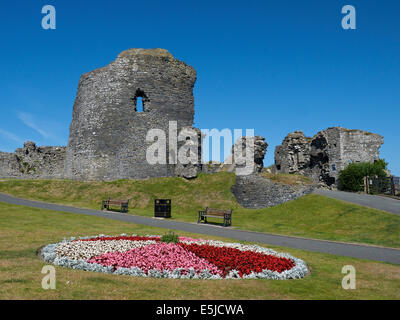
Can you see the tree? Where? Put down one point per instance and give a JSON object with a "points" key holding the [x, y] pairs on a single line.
{"points": [[351, 178]]}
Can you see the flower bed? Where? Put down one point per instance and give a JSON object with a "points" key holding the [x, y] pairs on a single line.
{"points": [[188, 258]]}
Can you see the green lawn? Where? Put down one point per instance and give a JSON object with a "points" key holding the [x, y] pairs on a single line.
{"points": [[23, 230], [311, 216]]}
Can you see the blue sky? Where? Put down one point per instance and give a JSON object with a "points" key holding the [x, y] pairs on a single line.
{"points": [[275, 66]]}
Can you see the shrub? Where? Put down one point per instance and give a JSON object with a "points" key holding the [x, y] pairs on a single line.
{"points": [[170, 237], [351, 177]]}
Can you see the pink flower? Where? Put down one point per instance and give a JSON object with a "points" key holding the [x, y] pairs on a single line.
{"points": [[160, 256]]}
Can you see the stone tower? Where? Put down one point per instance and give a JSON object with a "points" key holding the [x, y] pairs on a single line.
{"points": [[108, 131]]}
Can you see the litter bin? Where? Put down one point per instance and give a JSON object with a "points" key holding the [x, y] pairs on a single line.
{"points": [[162, 208]]}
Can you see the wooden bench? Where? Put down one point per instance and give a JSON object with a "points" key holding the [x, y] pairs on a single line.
{"points": [[216, 213], [105, 204]]}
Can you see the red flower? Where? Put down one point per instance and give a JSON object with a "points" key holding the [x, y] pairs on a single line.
{"points": [[244, 262]]}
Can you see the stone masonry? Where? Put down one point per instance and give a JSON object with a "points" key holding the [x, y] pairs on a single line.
{"points": [[257, 147], [108, 133], [252, 190], [323, 157], [255, 192], [32, 162]]}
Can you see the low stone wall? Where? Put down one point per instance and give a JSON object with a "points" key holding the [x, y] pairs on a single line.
{"points": [[32, 162], [256, 192]]}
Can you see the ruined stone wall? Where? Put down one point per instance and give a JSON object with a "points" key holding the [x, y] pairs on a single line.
{"points": [[254, 146], [255, 191], [108, 134], [323, 157], [293, 156], [191, 146], [359, 146], [32, 162], [9, 167]]}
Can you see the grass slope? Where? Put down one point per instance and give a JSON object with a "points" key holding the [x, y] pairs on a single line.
{"points": [[23, 230], [311, 216]]}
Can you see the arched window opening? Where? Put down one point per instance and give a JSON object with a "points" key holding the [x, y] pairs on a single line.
{"points": [[139, 104], [140, 101]]}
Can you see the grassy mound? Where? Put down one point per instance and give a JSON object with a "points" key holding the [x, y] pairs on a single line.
{"points": [[311, 216], [286, 178]]}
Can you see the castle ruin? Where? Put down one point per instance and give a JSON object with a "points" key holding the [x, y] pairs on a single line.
{"points": [[108, 131], [323, 157]]}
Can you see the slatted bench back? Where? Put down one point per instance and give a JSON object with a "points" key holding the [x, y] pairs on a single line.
{"points": [[217, 212], [117, 202]]}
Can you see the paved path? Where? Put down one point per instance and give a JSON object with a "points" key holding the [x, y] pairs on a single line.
{"points": [[337, 248], [377, 202]]}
